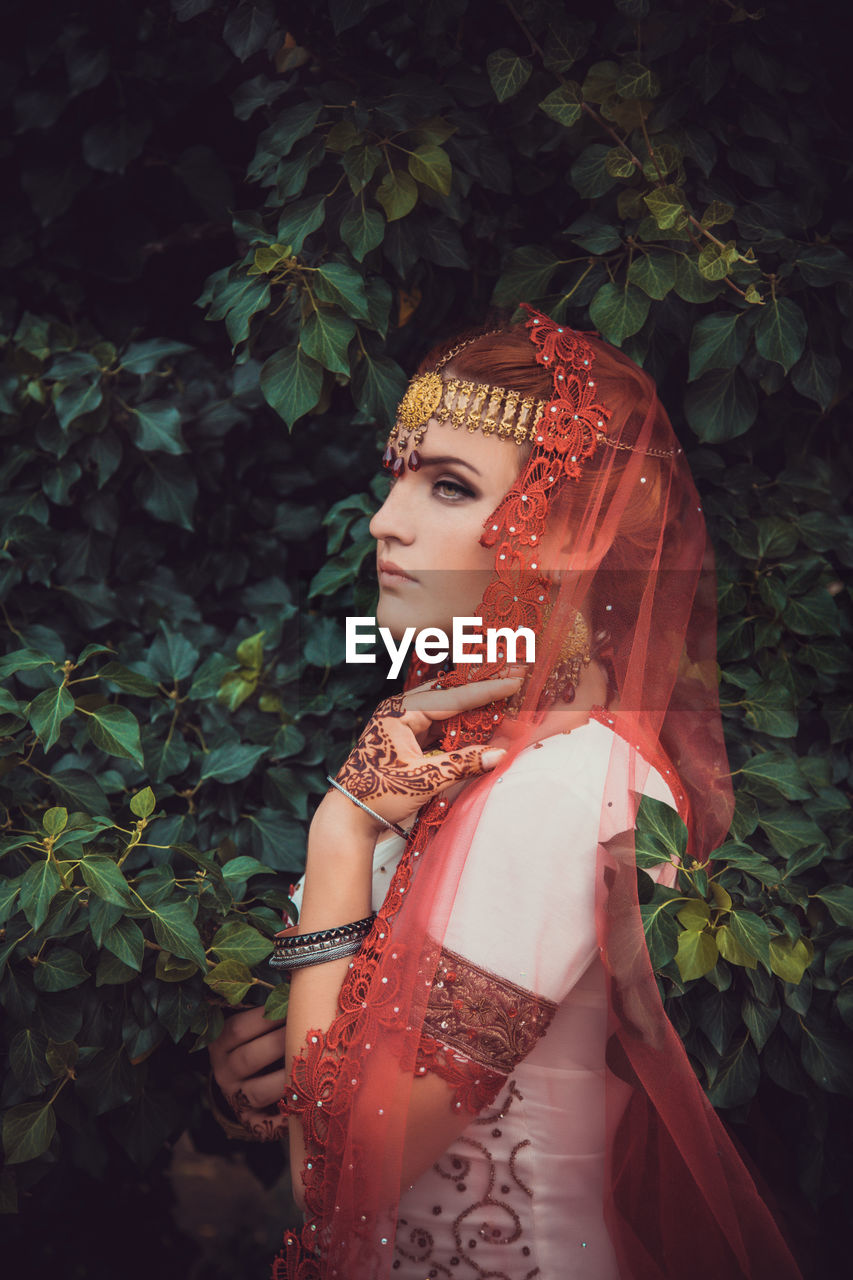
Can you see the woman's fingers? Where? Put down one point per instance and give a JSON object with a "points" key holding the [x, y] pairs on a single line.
{"points": [[256, 1055], [241, 1027], [440, 704], [259, 1092], [469, 762]]}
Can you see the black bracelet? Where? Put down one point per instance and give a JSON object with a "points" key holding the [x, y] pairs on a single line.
{"points": [[294, 950]]}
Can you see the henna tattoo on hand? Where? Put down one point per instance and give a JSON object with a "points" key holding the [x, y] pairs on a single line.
{"points": [[375, 770], [259, 1127]]}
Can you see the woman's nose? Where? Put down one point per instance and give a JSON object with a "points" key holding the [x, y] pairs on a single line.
{"points": [[394, 519]]}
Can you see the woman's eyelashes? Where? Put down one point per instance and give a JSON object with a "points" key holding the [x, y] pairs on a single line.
{"points": [[446, 489], [452, 490]]}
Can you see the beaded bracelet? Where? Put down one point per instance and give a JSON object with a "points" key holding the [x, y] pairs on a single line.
{"points": [[294, 950]]}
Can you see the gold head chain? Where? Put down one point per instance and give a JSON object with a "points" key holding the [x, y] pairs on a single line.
{"points": [[479, 406]]}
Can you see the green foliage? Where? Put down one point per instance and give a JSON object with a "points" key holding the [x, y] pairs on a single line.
{"points": [[175, 562]]}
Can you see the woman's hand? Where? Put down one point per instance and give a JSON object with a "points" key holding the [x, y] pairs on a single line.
{"points": [[248, 1044], [388, 770]]}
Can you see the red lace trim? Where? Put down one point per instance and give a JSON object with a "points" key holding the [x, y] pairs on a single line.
{"points": [[319, 1094]]}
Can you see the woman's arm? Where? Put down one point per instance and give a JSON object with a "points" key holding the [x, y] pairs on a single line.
{"points": [[389, 772]]}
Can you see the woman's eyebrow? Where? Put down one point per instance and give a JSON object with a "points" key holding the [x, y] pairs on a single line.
{"points": [[448, 461]]}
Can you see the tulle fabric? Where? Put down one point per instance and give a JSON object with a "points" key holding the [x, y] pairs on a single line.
{"points": [[613, 527]]}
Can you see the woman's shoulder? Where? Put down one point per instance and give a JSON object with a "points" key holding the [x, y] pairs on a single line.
{"points": [[586, 759]]}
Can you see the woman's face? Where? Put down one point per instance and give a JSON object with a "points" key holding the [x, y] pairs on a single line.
{"points": [[430, 564]]}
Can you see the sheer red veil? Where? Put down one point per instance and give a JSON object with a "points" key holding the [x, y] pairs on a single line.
{"points": [[603, 517]]}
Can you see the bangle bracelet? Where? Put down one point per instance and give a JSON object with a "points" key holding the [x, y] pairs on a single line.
{"points": [[293, 949], [301, 957], [392, 826]]}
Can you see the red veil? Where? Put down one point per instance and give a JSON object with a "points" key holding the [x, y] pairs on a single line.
{"points": [[603, 516]]}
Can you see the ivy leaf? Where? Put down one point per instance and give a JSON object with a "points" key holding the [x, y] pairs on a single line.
{"points": [[661, 835], [23, 660], [780, 333], [277, 1001], [144, 357], [694, 915], [730, 949], [335, 282], [778, 770], [666, 205], [325, 337], [73, 401], [28, 1131], [654, 273], [398, 194], [589, 173], [247, 27], [827, 1058], [618, 311], [736, 1079], [508, 73], [360, 164], [637, 81], [839, 901], [27, 1059], [59, 969], [789, 832], [721, 405], [143, 803], [751, 932], [362, 230], [790, 959], [116, 731], [760, 1018], [299, 220], [175, 930], [564, 104], [813, 614], [230, 979], [379, 385], [47, 712], [526, 275], [126, 941], [291, 383], [231, 763], [167, 490], [158, 426], [817, 377], [696, 955], [718, 341], [824, 264], [661, 932], [431, 165], [39, 886], [769, 708], [238, 941], [130, 681], [105, 878]]}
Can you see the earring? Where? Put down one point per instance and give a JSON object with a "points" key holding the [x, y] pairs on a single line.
{"points": [[575, 654]]}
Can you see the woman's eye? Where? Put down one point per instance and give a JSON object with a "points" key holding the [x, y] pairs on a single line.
{"points": [[452, 489]]}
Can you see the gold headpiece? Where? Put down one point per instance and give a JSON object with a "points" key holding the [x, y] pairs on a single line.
{"points": [[479, 406]]}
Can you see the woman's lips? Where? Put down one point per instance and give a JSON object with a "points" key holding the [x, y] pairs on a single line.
{"points": [[391, 575]]}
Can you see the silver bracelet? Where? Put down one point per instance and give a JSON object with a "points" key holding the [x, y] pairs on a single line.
{"points": [[392, 826], [298, 958], [293, 950]]}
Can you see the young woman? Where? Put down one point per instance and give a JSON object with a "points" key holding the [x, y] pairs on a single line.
{"points": [[480, 1079]]}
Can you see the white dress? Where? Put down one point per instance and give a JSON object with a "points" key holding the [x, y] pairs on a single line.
{"points": [[519, 1193]]}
